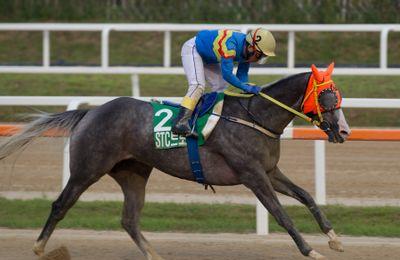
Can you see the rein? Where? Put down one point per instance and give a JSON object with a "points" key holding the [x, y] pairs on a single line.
{"points": [[237, 120], [282, 105]]}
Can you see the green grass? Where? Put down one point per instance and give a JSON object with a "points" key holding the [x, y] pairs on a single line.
{"points": [[159, 217]]}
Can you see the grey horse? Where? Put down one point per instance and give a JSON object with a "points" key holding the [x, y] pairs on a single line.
{"points": [[116, 139]]}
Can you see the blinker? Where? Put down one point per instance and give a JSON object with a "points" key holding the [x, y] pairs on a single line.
{"points": [[328, 99]]}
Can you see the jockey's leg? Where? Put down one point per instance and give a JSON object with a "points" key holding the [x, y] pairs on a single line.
{"points": [[194, 70], [214, 77], [181, 122]]}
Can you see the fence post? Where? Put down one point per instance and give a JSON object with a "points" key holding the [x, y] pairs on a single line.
{"points": [[167, 49], [66, 172], [46, 49], [135, 85], [320, 185], [384, 48], [74, 104], [104, 47], [261, 219], [291, 50]]}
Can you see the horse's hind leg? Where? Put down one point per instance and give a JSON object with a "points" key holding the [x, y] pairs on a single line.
{"points": [[285, 186], [132, 176], [70, 194]]}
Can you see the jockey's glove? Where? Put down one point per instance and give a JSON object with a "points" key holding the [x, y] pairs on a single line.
{"points": [[251, 88]]}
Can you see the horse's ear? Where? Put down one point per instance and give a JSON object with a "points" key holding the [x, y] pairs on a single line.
{"points": [[329, 70], [314, 69], [317, 75]]}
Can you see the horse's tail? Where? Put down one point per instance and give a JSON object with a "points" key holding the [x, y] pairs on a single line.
{"points": [[65, 121]]}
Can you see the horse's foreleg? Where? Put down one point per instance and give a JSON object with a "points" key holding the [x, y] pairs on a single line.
{"points": [[132, 177], [262, 188], [285, 186]]}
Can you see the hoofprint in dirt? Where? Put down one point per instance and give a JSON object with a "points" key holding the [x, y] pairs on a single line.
{"points": [[354, 170], [98, 245]]}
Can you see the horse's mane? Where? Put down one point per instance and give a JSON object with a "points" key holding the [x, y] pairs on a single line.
{"points": [[284, 80]]}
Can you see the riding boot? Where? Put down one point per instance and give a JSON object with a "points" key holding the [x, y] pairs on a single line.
{"points": [[181, 124]]}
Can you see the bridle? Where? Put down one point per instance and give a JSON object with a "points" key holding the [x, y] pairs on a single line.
{"points": [[320, 98]]}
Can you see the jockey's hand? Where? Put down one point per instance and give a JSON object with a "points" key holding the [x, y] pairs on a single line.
{"points": [[250, 88]]}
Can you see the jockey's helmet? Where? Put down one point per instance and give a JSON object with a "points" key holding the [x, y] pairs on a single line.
{"points": [[262, 40]]}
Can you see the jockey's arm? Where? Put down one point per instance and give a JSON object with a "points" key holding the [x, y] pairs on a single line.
{"points": [[227, 74], [243, 72]]}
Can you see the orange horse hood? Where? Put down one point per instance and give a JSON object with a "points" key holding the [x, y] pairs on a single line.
{"points": [[319, 82]]}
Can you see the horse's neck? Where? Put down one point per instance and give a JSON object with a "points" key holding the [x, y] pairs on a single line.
{"points": [[289, 91]]}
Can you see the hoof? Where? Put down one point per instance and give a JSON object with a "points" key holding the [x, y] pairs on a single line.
{"points": [[156, 258], [60, 253], [315, 255], [336, 245], [38, 248]]}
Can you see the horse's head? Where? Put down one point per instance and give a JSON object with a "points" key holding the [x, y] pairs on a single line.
{"points": [[322, 102]]}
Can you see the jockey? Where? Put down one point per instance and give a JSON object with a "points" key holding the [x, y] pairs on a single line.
{"points": [[210, 57]]}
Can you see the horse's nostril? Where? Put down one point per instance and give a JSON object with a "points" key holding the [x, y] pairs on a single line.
{"points": [[344, 134]]}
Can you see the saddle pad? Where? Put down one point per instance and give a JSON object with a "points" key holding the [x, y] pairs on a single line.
{"points": [[164, 114]]}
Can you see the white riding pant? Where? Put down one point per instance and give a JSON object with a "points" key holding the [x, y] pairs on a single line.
{"points": [[198, 74]]}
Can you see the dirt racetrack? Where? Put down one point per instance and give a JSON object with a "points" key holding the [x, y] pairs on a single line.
{"points": [[358, 170], [355, 170], [95, 245]]}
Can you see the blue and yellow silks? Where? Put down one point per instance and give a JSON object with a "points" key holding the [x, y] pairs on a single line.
{"points": [[225, 47]]}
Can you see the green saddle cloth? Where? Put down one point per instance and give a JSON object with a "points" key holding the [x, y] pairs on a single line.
{"points": [[163, 116]]}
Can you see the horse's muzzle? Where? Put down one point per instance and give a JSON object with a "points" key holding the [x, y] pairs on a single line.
{"points": [[341, 129], [337, 136]]}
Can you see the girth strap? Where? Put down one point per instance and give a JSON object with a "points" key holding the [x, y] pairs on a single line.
{"points": [[194, 159], [193, 152]]}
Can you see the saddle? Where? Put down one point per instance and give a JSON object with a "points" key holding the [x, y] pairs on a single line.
{"points": [[206, 102]]}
